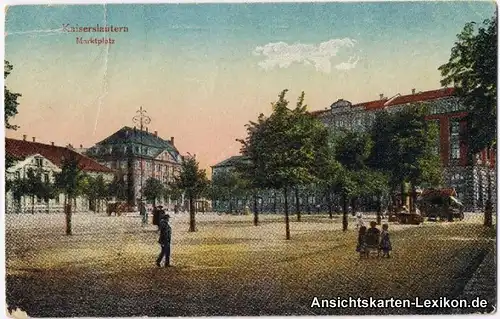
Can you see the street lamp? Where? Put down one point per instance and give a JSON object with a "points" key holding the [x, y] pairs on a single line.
{"points": [[142, 119]]}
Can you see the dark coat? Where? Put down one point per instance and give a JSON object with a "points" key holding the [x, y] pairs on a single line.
{"points": [[156, 216], [165, 233], [372, 237]]}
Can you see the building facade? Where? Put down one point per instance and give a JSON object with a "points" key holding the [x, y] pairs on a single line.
{"points": [[470, 180], [136, 156], [45, 159]]}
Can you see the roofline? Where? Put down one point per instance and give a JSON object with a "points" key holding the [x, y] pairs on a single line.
{"points": [[388, 102], [105, 169]]}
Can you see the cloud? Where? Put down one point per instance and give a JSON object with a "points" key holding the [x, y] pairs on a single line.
{"points": [[283, 55], [347, 65]]}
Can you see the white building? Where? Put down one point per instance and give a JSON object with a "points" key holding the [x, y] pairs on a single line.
{"points": [[47, 160]]}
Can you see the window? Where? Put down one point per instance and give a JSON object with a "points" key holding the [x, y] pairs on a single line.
{"points": [[57, 199], [46, 177], [437, 145], [454, 139], [18, 175], [137, 149], [39, 162]]}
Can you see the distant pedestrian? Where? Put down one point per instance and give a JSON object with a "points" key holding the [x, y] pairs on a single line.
{"points": [[361, 247], [385, 241], [144, 213], [164, 241]]}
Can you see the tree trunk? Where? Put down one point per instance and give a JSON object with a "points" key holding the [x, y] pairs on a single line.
{"points": [[345, 221], [287, 219], [488, 210], [330, 205], [379, 210], [255, 211], [230, 205], [192, 221], [67, 211], [353, 206], [33, 204], [403, 197], [413, 198], [297, 203], [274, 203]]}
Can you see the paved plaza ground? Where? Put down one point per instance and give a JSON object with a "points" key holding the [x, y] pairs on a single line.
{"points": [[230, 267]]}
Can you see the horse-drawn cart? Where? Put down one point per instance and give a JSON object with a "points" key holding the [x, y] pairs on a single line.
{"points": [[440, 204], [118, 208]]}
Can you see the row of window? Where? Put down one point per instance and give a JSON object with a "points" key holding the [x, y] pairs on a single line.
{"points": [[447, 107], [454, 138], [144, 150], [45, 176]]}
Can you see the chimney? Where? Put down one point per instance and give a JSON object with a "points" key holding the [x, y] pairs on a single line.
{"points": [[34, 139], [412, 91], [172, 140], [81, 145], [146, 129], [156, 133], [52, 143], [24, 137], [381, 96]]}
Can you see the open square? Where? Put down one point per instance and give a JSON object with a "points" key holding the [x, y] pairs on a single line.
{"points": [[230, 267]]}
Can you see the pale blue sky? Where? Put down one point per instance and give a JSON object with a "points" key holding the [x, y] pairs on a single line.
{"points": [[217, 66]]}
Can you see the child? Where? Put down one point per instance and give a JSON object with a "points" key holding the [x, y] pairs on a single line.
{"points": [[361, 247], [372, 239], [385, 242], [359, 222]]}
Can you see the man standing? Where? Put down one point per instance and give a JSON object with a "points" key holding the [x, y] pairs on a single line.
{"points": [[144, 213], [164, 241]]}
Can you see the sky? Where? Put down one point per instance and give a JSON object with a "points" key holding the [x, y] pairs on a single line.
{"points": [[203, 71]]}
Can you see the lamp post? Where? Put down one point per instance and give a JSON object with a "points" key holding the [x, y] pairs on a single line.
{"points": [[142, 119]]}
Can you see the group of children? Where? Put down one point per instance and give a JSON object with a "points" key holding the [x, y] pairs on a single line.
{"points": [[372, 240]]}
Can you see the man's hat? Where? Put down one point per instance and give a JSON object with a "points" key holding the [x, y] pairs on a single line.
{"points": [[159, 206], [166, 216]]}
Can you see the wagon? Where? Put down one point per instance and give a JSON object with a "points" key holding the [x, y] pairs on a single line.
{"points": [[440, 204]]}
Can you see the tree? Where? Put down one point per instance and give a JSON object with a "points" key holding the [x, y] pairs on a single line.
{"points": [[96, 189], [472, 69], [19, 189], [47, 192], [118, 188], [404, 149], [10, 99], [351, 151], [33, 186], [153, 189], [249, 184], [284, 149], [193, 181], [70, 181], [224, 187], [173, 192]]}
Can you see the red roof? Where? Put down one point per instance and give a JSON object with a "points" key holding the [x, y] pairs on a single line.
{"points": [[372, 105], [423, 96], [404, 99], [20, 149]]}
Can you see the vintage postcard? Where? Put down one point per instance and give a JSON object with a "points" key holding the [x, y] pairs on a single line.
{"points": [[250, 159]]}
